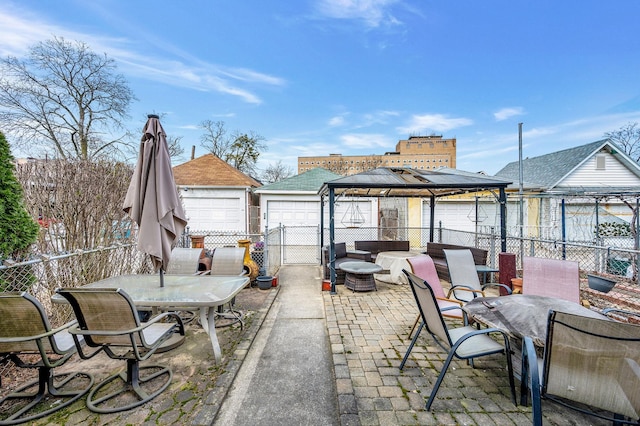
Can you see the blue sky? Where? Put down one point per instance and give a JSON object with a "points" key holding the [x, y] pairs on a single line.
{"points": [[353, 77]]}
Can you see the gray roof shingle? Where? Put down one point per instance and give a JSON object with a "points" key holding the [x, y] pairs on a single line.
{"points": [[547, 170]]}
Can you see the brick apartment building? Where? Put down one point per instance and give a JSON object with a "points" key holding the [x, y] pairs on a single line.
{"points": [[417, 152]]}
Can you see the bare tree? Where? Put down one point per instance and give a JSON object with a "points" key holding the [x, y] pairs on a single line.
{"points": [[175, 148], [241, 150], [215, 138], [276, 172], [63, 97], [627, 137], [78, 203]]}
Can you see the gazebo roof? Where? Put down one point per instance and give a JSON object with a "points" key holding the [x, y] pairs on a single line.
{"points": [[404, 182]]}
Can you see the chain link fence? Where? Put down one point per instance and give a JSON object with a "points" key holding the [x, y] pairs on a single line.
{"points": [[298, 245]]}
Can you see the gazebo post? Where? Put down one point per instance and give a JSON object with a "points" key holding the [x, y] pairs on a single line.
{"points": [[432, 218], [503, 220], [332, 243]]}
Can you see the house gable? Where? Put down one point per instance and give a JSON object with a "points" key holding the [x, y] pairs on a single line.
{"points": [[573, 168], [602, 169]]}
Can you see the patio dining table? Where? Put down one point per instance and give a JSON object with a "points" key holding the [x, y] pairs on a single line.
{"points": [[521, 315], [203, 292]]}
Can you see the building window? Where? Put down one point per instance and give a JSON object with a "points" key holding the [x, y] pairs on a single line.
{"points": [[601, 161]]}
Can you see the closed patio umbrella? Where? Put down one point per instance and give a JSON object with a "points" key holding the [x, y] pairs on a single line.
{"points": [[152, 198]]}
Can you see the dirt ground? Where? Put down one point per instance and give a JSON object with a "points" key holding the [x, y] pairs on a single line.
{"points": [[195, 374]]}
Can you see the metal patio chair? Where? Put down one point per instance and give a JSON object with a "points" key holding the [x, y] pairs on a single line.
{"points": [[589, 364], [184, 261], [25, 332], [424, 268], [108, 321], [229, 261], [465, 283], [463, 342]]}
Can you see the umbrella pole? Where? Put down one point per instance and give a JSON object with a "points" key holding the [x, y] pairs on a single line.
{"points": [[161, 277]]}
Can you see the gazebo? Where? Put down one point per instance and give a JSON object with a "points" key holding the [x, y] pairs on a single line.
{"points": [[405, 182]]}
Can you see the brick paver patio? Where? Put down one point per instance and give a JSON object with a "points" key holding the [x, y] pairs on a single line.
{"points": [[369, 336]]}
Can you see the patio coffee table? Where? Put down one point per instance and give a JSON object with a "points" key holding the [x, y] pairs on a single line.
{"points": [[203, 292], [359, 275]]}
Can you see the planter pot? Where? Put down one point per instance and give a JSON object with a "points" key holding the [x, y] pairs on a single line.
{"points": [[516, 285], [600, 283], [264, 283]]}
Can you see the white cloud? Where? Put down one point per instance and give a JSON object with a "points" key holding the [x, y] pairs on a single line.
{"points": [[364, 140], [20, 29], [506, 113], [377, 117], [433, 122], [336, 121], [372, 12]]}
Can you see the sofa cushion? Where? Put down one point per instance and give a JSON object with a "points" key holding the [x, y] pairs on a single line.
{"points": [[377, 246]]}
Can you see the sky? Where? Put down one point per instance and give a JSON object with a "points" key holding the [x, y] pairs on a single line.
{"points": [[353, 77]]}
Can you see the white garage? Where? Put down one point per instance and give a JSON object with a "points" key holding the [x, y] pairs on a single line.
{"points": [[216, 196]]}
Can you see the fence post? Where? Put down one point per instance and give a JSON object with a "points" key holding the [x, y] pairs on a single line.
{"points": [[492, 246], [265, 250]]}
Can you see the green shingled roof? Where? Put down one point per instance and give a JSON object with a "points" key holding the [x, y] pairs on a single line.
{"points": [[308, 181]]}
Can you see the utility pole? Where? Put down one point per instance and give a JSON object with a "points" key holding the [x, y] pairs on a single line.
{"points": [[520, 192]]}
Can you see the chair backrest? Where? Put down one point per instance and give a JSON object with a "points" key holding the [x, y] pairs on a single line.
{"points": [[184, 261], [423, 267], [462, 271], [21, 315], [103, 310], [551, 278], [429, 310], [228, 261], [593, 361]]}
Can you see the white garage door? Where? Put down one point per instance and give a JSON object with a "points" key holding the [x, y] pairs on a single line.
{"points": [[214, 214], [293, 213]]}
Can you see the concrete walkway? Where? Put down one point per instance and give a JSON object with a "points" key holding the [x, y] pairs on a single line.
{"points": [[287, 376]]}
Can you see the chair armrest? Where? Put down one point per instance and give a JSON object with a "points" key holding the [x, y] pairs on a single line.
{"points": [[78, 331], [507, 289], [465, 319], [616, 313], [460, 287], [450, 300]]}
